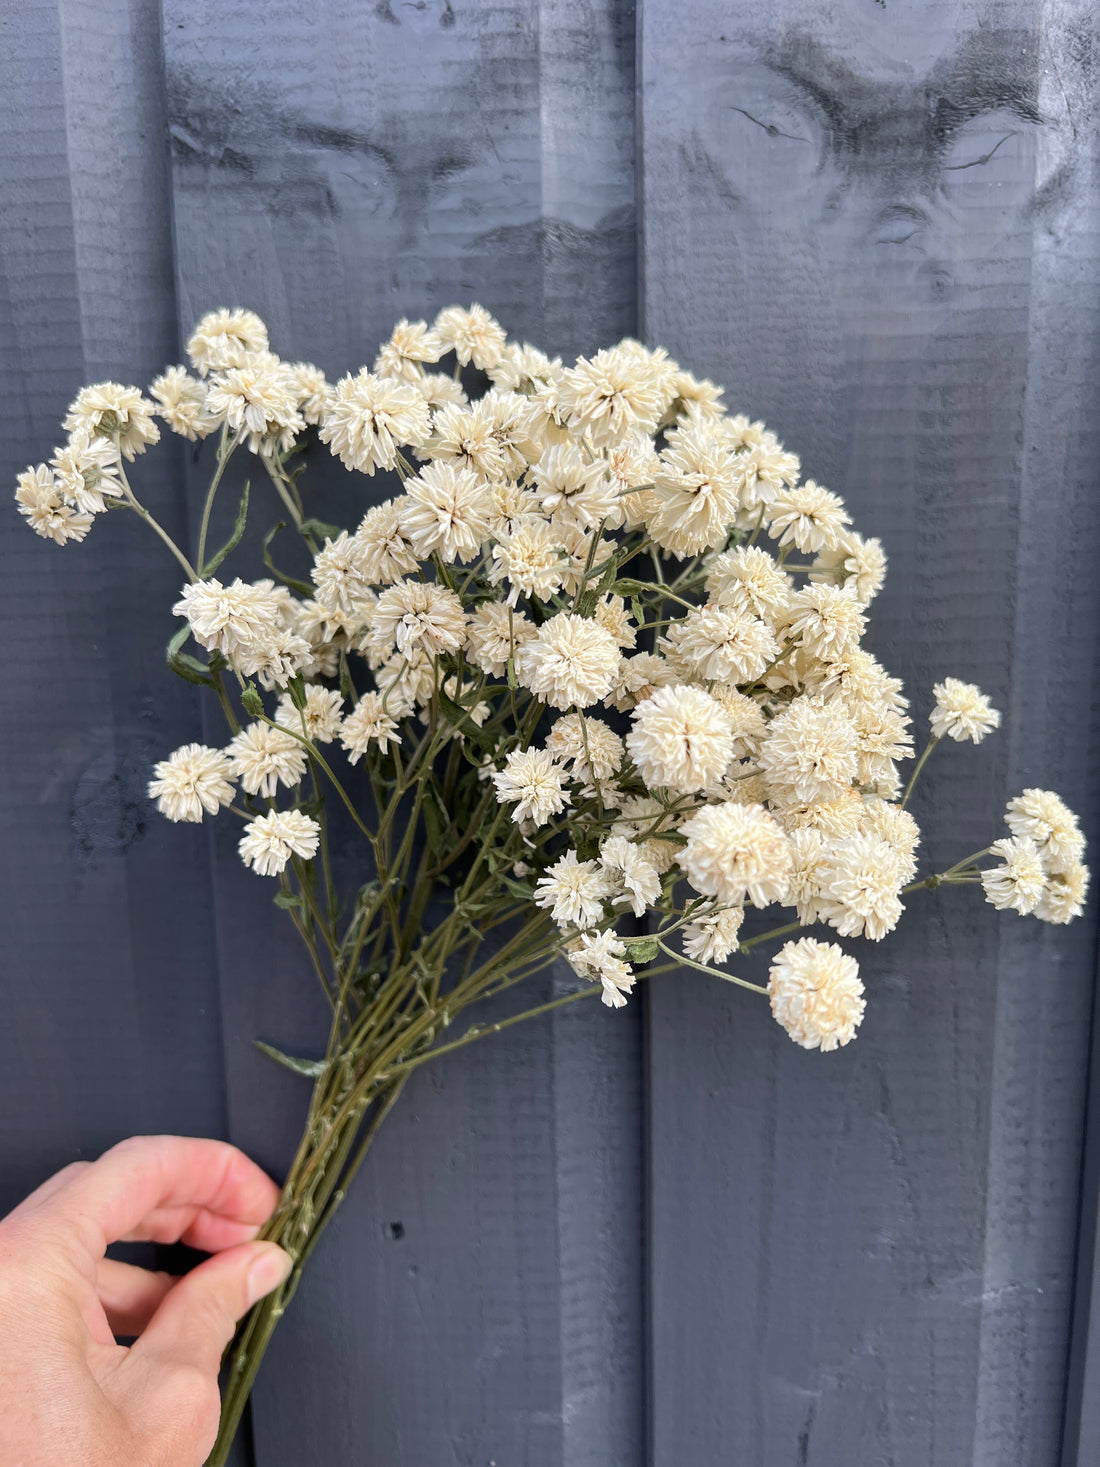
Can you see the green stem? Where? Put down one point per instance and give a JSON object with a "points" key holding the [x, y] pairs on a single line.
{"points": [[225, 449], [685, 962], [921, 762]]}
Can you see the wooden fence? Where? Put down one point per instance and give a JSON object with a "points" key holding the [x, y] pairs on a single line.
{"points": [[666, 1235]]}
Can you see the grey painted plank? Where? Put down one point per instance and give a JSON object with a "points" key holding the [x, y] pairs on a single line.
{"points": [[112, 1020], [877, 1258], [113, 1025], [348, 168]]}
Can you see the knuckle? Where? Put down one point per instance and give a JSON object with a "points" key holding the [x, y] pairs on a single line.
{"points": [[188, 1409]]}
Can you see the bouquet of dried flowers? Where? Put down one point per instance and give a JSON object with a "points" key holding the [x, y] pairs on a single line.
{"points": [[590, 680]]}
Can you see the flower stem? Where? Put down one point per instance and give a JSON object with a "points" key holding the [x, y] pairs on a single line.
{"points": [[921, 762]]}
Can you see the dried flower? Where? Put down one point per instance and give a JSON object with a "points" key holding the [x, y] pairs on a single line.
{"points": [[262, 758], [534, 781], [681, 739], [445, 512], [962, 711], [1042, 817], [226, 339], [1019, 881], [270, 840], [573, 891], [193, 779], [120, 414], [571, 662], [816, 993], [370, 418], [368, 723], [736, 853]]}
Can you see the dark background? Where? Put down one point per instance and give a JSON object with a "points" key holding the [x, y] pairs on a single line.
{"points": [[665, 1235]]}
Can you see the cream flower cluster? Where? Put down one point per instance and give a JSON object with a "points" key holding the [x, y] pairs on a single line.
{"points": [[1041, 869], [642, 627]]}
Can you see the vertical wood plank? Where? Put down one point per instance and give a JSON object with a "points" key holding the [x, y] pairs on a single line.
{"points": [[479, 1296], [112, 1023], [877, 228]]}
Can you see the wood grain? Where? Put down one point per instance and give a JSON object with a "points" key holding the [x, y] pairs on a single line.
{"points": [[875, 228], [480, 1296]]}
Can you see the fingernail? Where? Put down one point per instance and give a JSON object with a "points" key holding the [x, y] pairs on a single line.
{"points": [[267, 1272]]}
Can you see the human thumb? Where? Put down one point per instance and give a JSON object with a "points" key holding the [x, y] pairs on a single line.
{"points": [[196, 1319]]}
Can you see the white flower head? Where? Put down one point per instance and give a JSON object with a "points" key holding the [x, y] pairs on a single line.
{"points": [[601, 956], [750, 581], [41, 504], [472, 335], [533, 781], [312, 392], [120, 414], [590, 748], [340, 574], [464, 436], [736, 853], [369, 419], [416, 616], [257, 402], [495, 633], [695, 493], [226, 338], [717, 643], [383, 552], [368, 723], [575, 490], [571, 662], [573, 891], [808, 517], [855, 562], [816, 993], [1064, 897], [962, 711], [531, 557], [193, 779], [632, 875], [610, 396], [181, 403], [410, 345], [263, 757], [809, 752], [319, 720], [445, 510], [270, 840], [861, 878], [828, 621], [681, 739], [1020, 880], [1042, 817], [233, 620], [714, 938]]}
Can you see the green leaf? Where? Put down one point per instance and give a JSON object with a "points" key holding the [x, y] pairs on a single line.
{"points": [[304, 588], [320, 528], [234, 540], [641, 949], [251, 701], [287, 901], [312, 1069], [436, 819], [184, 666], [460, 718], [296, 687], [347, 687]]}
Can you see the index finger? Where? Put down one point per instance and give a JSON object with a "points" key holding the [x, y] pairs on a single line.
{"points": [[162, 1189]]}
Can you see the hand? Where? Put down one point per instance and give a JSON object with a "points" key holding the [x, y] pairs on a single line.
{"points": [[69, 1395]]}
